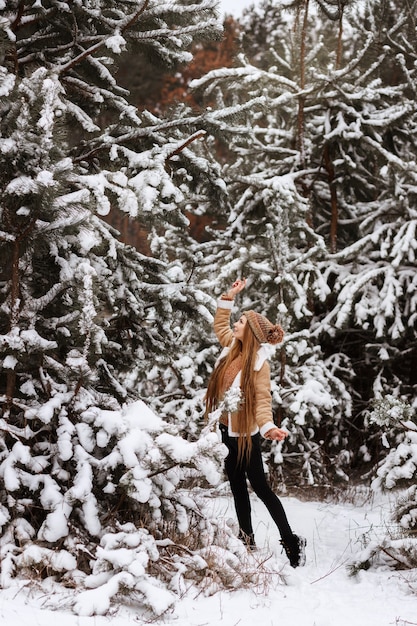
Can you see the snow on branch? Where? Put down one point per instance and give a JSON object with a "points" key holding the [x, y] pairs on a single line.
{"points": [[246, 75]]}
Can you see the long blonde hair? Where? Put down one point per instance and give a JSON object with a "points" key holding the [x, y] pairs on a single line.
{"points": [[248, 348]]}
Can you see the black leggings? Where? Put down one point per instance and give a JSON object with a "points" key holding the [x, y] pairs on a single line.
{"points": [[253, 469]]}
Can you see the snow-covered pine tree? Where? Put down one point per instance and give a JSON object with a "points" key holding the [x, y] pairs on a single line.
{"points": [[268, 234], [397, 425], [94, 486], [316, 129], [349, 147], [364, 146]]}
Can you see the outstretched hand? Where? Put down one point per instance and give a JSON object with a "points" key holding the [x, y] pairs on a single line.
{"points": [[276, 434], [237, 287]]}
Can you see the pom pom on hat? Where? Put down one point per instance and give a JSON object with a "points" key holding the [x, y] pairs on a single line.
{"points": [[263, 329]]}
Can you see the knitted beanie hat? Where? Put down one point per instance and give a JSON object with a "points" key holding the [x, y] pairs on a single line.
{"points": [[263, 329]]}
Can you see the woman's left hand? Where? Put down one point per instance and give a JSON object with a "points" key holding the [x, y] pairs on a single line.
{"points": [[276, 434]]}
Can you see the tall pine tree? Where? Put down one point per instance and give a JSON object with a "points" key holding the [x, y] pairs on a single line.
{"points": [[94, 485]]}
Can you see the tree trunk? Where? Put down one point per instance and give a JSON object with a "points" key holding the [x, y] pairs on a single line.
{"points": [[301, 99], [14, 316], [328, 164]]}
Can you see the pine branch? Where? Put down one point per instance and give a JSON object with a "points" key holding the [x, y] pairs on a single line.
{"points": [[394, 558], [198, 135], [164, 469], [90, 51], [406, 427], [136, 16], [20, 10]]}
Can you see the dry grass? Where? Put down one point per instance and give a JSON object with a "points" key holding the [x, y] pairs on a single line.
{"points": [[351, 493], [223, 565]]}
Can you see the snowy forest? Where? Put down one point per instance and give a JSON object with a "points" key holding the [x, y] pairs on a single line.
{"points": [[281, 148]]}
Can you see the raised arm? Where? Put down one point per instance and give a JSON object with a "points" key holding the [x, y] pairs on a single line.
{"points": [[224, 307]]}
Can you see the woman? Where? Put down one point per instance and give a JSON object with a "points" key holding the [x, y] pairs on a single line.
{"points": [[243, 363]]}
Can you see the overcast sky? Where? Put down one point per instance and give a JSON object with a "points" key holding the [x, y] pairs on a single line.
{"points": [[235, 7]]}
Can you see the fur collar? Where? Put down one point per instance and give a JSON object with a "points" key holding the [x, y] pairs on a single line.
{"points": [[263, 354]]}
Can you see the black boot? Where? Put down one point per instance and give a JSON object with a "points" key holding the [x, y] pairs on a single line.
{"points": [[295, 549], [247, 540]]}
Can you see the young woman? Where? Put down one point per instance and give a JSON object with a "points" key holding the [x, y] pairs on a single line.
{"points": [[243, 364]]}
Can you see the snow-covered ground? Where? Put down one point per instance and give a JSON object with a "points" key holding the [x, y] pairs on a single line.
{"points": [[320, 594]]}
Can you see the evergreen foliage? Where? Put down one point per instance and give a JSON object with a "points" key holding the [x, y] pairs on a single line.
{"points": [[300, 164], [316, 126], [94, 486], [397, 473]]}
